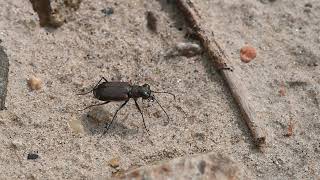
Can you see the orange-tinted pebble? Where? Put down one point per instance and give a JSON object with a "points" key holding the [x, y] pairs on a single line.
{"points": [[247, 53], [34, 83], [114, 162], [290, 129], [282, 90]]}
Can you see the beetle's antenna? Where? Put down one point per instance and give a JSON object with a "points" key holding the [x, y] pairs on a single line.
{"points": [[174, 97], [161, 108]]}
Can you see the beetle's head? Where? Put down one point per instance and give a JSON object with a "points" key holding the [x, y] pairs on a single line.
{"points": [[145, 91]]}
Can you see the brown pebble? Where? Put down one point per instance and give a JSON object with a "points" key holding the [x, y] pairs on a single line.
{"points": [[34, 83], [282, 90], [290, 129], [56, 20], [247, 53], [114, 162], [151, 21], [156, 114], [74, 4]]}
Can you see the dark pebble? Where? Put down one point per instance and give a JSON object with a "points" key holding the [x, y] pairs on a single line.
{"points": [[32, 156], [151, 21], [107, 11], [313, 64], [202, 166], [308, 5]]}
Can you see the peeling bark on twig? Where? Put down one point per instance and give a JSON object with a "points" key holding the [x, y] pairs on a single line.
{"points": [[217, 55], [4, 70]]}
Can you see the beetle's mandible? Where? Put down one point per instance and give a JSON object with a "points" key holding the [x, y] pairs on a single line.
{"points": [[123, 91]]}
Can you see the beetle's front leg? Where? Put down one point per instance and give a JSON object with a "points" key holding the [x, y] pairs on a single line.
{"points": [[114, 116], [144, 123]]}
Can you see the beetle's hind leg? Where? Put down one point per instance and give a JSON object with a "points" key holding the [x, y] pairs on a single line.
{"points": [[103, 78], [94, 105], [144, 123], [114, 116]]}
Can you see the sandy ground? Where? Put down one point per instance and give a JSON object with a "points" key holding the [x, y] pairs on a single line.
{"points": [[204, 117]]}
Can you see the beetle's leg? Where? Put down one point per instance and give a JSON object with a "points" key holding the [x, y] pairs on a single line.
{"points": [[104, 79], [94, 86], [144, 123], [94, 105], [162, 109], [114, 116]]}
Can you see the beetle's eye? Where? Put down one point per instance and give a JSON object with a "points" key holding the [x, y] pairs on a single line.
{"points": [[147, 86]]}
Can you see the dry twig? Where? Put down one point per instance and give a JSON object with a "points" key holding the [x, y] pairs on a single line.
{"points": [[222, 63]]}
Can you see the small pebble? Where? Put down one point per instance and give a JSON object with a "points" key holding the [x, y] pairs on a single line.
{"points": [[107, 11], [290, 129], [247, 53], [313, 64], [17, 144], [114, 162], [156, 114], [32, 156], [308, 5], [75, 4], [282, 90], [57, 20], [187, 49], [34, 83], [76, 125], [151, 21]]}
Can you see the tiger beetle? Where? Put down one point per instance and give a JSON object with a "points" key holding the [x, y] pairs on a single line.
{"points": [[123, 91]]}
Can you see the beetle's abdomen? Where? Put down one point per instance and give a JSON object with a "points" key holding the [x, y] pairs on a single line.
{"points": [[112, 91]]}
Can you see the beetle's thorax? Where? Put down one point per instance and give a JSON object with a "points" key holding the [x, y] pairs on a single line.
{"points": [[140, 91], [135, 91]]}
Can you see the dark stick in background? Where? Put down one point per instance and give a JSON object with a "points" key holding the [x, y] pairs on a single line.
{"points": [[4, 70], [222, 63]]}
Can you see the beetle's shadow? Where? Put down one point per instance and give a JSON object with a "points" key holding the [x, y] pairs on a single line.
{"points": [[94, 127]]}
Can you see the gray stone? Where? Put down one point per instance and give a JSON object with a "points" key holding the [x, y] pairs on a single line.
{"points": [[4, 70], [208, 166]]}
